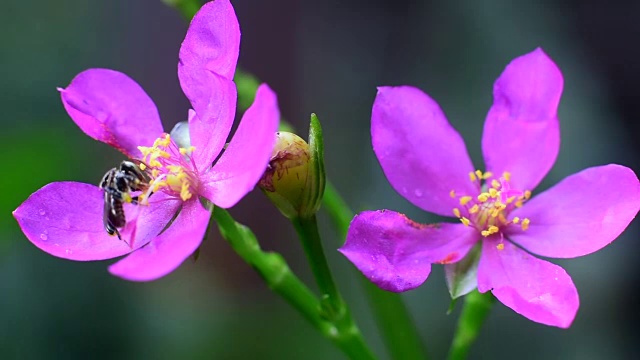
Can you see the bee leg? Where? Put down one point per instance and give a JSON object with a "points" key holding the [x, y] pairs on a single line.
{"points": [[112, 229]]}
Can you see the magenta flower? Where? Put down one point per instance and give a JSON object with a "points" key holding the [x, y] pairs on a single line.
{"points": [[499, 226], [65, 218]]}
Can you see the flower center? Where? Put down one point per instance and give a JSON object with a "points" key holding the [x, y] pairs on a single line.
{"points": [[488, 211], [171, 168]]}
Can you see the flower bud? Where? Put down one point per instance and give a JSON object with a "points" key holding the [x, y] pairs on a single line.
{"points": [[294, 180]]}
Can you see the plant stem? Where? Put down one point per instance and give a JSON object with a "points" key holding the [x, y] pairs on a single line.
{"points": [[307, 229], [272, 267], [187, 8], [475, 311], [334, 308], [279, 277], [394, 322]]}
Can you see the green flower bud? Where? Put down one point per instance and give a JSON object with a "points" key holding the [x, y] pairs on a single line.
{"points": [[294, 180]]}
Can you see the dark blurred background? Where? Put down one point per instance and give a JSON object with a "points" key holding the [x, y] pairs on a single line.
{"points": [[325, 57]]}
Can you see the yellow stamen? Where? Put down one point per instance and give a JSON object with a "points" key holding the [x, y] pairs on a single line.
{"points": [[516, 220], [175, 169], [465, 221], [495, 184], [185, 194], [479, 174], [527, 195], [456, 212], [490, 231], [472, 177], [493, 193], [162, 141], [142, 166], [502, 219], [525, 224], [500, 246], [483, 197], [465, 200], [474, 209], [506, 175], [452, 193], [487, 175]]}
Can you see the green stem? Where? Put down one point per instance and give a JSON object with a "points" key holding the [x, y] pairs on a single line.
{"points": [[307, 229], [273, 269], [475, 311], [187, 8], [334, 308], [394, 322], [279, 277]]}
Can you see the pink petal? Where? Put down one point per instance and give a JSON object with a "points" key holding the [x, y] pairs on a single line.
{"points": [[581, 214], [64, 219], [396, 253], [246, 158], [151, 219], [209, 134], [521, 133], [208, 58], [110, 107], [423, 157], [536, 289], [167, 251]]}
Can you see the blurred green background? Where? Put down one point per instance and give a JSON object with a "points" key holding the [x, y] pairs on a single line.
{"points": [[325, 57]]}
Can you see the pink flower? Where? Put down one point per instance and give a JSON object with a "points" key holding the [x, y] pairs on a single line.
{"points": [[65, 218], [426, 161]]}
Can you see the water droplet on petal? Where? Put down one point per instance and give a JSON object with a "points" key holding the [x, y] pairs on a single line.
{"points": [[418, 192], [68, 251], [404, 190], [43, 237], [42, 212]]}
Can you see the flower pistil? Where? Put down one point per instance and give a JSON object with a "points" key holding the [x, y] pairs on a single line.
{"points": [[170, 167], [488, 211]]}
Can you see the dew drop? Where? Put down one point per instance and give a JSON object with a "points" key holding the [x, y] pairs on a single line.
{"points": [[418, 192], [68, 251], [404, 190], [43, 237], [42, 212]]}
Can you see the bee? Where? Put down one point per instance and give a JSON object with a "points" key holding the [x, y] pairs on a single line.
{"points": [[117, 184]]}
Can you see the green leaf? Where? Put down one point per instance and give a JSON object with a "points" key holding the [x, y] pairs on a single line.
{"points": [[462, 276], [317, 175]]}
